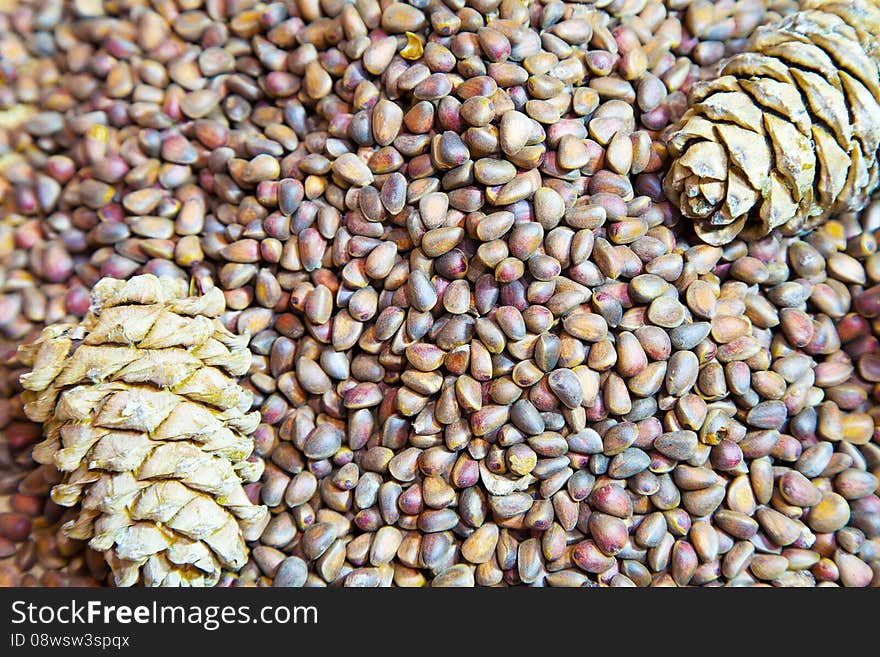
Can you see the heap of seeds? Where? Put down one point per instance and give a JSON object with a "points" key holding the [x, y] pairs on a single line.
{"points": [[484, 349]]}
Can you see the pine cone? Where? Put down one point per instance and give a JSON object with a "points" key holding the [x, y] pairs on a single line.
{"points": [[143, 416], [787, 135]]}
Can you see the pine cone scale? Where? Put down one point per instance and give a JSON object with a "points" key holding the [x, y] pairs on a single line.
{"points": [[793, 155], [779, 99]]}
